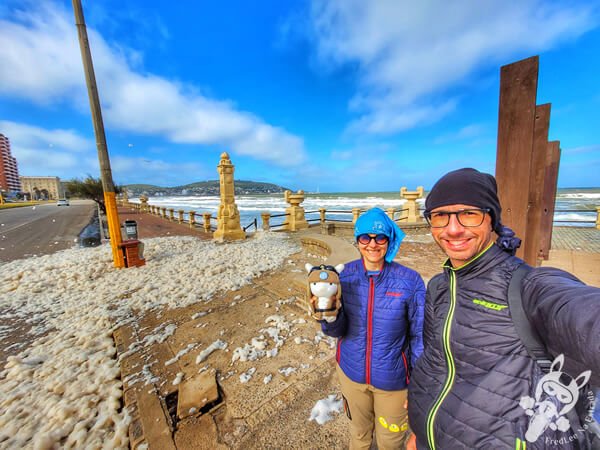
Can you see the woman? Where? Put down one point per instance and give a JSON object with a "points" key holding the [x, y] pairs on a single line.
{"points": [[380, 329]]}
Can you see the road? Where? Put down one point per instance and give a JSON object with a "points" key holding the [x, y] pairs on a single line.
{"points": [[42, 229]]}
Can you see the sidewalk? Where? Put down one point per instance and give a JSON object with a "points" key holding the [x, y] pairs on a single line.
{"points": [[149, 225], [576, 250]]}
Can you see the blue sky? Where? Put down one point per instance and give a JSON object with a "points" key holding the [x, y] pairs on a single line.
{"points": [[338, 95]]}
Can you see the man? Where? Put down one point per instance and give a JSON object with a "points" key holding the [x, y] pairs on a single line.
{"points": [[475, 385]]}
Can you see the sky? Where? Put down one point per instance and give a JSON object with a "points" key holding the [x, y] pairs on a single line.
{"points": [[327, 96]]}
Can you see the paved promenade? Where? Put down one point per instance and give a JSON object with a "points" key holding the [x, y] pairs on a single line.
{"points": [[576, 250], [576, 238]]}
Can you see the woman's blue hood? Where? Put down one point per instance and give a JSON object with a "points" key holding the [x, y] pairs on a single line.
{"points": [[376, 221]]}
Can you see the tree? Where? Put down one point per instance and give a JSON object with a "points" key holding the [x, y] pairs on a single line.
{"points": [[89, 188]]}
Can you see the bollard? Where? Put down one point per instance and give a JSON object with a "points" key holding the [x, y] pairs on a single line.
{"points": [[171, 215], [390, 212], [322, 215], [180, 218], [411, 197], [192, 220], [265, 221], [206, 217], [163, 212], [296, 219], [355, 214]]}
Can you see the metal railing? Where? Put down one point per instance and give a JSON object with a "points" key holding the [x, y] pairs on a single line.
{"points": [[253, 223], [591, 211]]}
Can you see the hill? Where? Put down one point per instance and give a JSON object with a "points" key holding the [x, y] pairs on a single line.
{"points": [[210, 187]]}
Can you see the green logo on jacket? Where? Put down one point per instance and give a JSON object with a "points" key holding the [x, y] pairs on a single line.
{"points": [[489, 305]]}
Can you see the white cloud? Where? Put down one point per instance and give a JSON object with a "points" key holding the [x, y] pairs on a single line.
{"points": [[36, 161], [41, 63], [66, 154], [38, 55], [467, 132], [588, 149], [42, 152], [155, 171], [407, 53], [23, 135]]}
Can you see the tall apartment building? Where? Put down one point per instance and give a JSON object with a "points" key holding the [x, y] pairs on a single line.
{"points": [[9, 173]]}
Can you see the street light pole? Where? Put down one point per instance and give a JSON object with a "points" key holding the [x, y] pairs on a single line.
{"points": [[112, 215]]}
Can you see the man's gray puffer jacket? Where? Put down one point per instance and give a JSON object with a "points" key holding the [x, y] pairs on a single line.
{"points": [[467, 387]]}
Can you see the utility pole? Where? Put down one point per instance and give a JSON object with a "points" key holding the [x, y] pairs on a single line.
{"points": [[112, 215]]}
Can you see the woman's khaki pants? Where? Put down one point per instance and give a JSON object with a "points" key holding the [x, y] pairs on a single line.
{"points": [[370, 409]]}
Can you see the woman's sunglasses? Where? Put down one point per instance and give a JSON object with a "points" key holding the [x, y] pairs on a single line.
{"points": [[365, 239]]}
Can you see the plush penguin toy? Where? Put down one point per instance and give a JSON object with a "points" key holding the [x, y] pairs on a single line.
{"points": [[324, 284]]}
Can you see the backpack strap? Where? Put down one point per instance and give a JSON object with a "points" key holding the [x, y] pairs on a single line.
{"points": [[529, 336]]}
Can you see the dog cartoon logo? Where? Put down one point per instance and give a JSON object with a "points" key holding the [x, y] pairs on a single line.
{"points": [[555, 395]]}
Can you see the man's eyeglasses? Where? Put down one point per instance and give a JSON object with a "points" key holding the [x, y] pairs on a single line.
{"points": [[365, 239], [466, 217]]}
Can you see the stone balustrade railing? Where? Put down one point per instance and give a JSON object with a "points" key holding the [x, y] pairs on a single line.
{"points": [[401, 216]]}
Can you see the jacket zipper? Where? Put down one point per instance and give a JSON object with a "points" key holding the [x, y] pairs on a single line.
{"points": [[405, 368], [369, 329], [449, 361]]}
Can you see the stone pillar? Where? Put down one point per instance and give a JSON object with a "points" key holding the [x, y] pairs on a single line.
{"points": [[228, 217], [598, 217], [411, 203], [163, 212], [171, 215], [206, 216], [192, 218], [266, 217], [322, 215], [295, 213], [355, 214], [390, 212], [180, 215]]}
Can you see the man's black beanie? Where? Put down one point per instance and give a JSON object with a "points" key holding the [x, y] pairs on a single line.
{"points": [[466, 187]]}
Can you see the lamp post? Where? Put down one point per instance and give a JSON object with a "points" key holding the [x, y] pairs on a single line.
{"points": [[112, 215]]}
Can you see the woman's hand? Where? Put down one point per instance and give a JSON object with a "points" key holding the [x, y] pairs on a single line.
{"points": [[411, 442]]}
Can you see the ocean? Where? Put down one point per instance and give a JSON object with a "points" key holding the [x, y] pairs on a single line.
{"points": [[574, 206]]}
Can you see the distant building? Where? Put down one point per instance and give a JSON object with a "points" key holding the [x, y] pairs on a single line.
{"points": [[9, 173], [42, 188]]}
